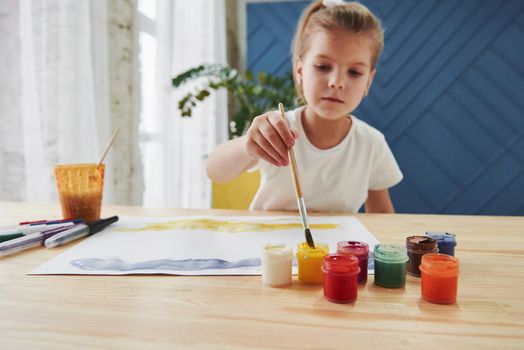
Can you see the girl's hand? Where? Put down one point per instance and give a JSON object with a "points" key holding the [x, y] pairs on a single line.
{"points": [[269, 138]]}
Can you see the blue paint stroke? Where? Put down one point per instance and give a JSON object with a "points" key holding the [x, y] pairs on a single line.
{"points": [[371, 262], [117, 264]]}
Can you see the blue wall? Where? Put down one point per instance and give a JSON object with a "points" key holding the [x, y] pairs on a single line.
{"points": [[448, 95]]}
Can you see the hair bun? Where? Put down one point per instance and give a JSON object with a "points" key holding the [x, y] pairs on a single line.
{"points": [[332, 3]]}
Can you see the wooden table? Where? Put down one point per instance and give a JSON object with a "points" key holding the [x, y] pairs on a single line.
{"points": [[232, 312]]}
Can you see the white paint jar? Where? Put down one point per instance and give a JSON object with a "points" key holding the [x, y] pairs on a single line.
{"points": [[276, 264]]}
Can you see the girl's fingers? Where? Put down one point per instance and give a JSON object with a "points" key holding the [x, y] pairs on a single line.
{"points": [[266, 151], [256, 152], [270, 138], [280, 125], [274, 140], [294, 133]]}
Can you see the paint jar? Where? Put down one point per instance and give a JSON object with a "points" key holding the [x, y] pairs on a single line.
{"points": [[361, 251], [340, 277], [80, 189], [390, 265], [439, 280], [417, 246], [276, 264], [446, 242], [310, 262]]}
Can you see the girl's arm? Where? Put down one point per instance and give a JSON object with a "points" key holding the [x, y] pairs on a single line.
{"points": [[267, 138], [228, 160], [379, 202]]}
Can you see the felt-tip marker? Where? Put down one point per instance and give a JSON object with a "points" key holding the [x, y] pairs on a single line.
{"points": [[7, 234], [28, 241], [79, 231]]}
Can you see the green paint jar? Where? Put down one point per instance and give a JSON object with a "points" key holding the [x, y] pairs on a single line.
{"points": [[390, 265]]}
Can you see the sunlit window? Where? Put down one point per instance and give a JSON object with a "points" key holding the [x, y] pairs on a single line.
{"points": [[149, 128]]}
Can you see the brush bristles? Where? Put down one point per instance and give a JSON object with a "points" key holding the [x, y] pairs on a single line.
{"points": [[309, 238]]}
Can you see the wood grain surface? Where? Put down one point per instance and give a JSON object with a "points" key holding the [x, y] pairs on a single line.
{"points": [[235, 312]]}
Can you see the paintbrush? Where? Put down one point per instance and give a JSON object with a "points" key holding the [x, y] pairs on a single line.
{"points": [[108, 146], [298, 188]]}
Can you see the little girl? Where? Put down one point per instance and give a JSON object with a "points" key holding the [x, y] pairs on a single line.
{"points": [[343, 162]]}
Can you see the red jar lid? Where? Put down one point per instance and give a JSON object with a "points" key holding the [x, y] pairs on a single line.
{"points": [[353, 248], [341, 263]]}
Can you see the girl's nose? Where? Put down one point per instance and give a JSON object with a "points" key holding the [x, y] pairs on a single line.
{"points": [[336, 81]]}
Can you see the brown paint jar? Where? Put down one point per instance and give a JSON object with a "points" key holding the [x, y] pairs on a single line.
{"points": [[417, 246]]}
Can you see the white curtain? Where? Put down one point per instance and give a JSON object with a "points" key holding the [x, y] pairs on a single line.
{"points": [[189, 33], [54, 95]]}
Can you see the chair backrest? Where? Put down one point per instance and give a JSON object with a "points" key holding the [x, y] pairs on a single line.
{"points": [[236, 194]]}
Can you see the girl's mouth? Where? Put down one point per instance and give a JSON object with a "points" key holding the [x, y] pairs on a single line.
{"points": [[332, 99]]}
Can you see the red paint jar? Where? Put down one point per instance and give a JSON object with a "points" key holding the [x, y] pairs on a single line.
{"points": [[439, 281], [361, 251], [340, 278]]}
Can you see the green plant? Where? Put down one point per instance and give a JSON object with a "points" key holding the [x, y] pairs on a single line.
{"points": [[252, 97]]}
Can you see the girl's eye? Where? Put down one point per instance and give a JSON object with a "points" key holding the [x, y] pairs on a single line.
{"points": [[322, 67], [353, 73]]}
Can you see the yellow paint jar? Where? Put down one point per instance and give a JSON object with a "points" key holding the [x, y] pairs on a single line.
{"points": [[310, 262]]}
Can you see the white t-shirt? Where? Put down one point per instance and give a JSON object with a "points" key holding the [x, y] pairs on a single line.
{"points": [[335, 179]]}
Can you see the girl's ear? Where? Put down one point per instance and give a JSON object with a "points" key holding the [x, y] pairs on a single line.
{"points": [[370, 81], [299, 71]]}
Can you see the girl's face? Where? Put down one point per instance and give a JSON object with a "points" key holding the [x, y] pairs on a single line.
{"points": [[335, 72]]}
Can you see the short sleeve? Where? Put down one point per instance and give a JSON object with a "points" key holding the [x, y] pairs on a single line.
{"points": [[385, 172]]}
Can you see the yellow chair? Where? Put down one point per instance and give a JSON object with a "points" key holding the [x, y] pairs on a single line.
{"points": [[237, 193]]}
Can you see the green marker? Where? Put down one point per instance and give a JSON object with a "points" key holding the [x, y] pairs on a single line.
{"points": [[12, 232], [11, 235]]}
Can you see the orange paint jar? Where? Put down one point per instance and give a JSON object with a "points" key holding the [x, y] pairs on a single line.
{"points": [[439, 278]]}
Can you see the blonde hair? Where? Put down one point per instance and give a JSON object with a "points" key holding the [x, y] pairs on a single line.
{"points": [[352, 17]]}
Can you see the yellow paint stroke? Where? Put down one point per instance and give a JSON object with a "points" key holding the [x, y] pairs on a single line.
{"points": [[226, 226]]}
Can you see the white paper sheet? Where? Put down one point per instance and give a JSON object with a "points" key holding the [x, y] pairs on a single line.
{"points": [[130, 247]]}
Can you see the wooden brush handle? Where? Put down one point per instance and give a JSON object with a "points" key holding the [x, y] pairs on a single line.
{"points": [[294, 173], [292, 160]]}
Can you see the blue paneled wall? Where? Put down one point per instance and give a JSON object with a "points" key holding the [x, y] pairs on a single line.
{"points": [[448, 95]]}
